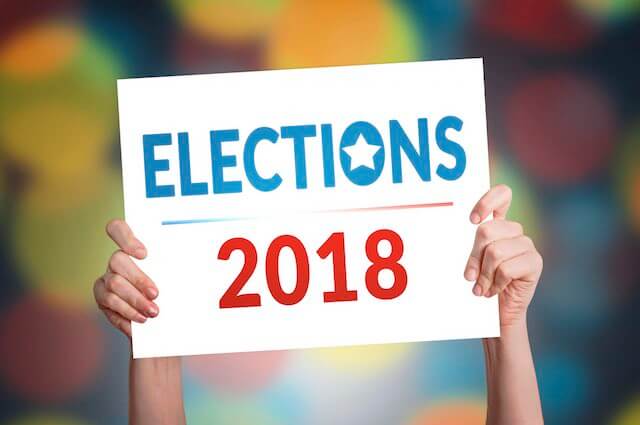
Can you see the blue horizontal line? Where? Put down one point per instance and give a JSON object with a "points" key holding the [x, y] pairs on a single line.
{"points": [[345, 210], [204, 220]]}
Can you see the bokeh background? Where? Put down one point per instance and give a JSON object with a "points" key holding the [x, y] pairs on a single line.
{"points": [[563, 102]]}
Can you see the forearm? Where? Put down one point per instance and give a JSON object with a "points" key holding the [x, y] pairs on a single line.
{"points": [[512, 387], [155, 391]]}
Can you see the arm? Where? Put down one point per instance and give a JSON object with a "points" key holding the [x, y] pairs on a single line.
{"points": [[124, 293], [512, 388], [155, 391], [505, 263]]}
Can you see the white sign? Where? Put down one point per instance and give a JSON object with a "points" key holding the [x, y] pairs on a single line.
{"points": [[305, 208]]}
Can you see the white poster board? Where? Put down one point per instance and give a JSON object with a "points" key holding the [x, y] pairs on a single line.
{"points": [[337, 200]]}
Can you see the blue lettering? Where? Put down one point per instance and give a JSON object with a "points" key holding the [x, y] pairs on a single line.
{"points": [[298, 133], [249, 159], [187, 187], [153, 165], [219, 161], [452, 148], [399, 141], [327, 155]]}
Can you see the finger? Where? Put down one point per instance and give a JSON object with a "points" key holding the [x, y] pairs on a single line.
{"points": [[122, 235], [485, 234], [525, 267], [495, 254], [118, 322], [120, 263], [109, 300], [496, 201], [130, 294]]}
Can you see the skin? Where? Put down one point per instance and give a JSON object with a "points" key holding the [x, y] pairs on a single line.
{"points": [[503, 262]]}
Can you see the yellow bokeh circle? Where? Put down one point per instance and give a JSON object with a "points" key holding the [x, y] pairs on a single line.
{"points": [[630, 414], [314, 33], [238, 20], [362, 359], [57, 129], [61, 253]]}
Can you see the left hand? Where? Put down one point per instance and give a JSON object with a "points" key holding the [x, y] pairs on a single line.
{"points": [[503, 260]]}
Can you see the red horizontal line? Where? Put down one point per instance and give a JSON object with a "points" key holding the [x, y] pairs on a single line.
{"points": [[391, 207]]}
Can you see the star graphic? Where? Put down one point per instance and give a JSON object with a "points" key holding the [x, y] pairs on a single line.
{"points": [[361, 153]]}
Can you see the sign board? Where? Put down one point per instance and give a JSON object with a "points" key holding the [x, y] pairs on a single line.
{"points": [[305, 208]]}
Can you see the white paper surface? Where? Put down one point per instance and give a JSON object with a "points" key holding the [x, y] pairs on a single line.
{"points": [[183, 233]]}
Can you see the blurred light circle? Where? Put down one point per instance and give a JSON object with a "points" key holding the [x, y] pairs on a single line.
{"points": [[610, 10], [238, 20], [455, 412], [629, 414], [209, 410], [58, 129], [314, 33], [49, 352], [524, 205], [362, 359], [45, 419], [237, 372], [61, 253], [57, 138], [16, 15], [583, 224], [561, 127], [39, 50], [628, 176], [194, 54], [573, 296], [564, 384], [623, 267], [548, 24], [453, 367]]}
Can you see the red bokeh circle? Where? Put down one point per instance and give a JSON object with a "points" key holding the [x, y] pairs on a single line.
{"points": [[237, 373], [49, 352], [561, 127]]}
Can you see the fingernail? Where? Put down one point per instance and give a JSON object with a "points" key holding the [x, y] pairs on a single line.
{"points": [[475, 218], [141, 252], [477, 290], [471, 274], [151, 292], [152, 311], [140, 318]]}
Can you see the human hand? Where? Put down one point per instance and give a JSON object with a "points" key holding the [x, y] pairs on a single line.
{"points": [[503, 260], [125, 293]]}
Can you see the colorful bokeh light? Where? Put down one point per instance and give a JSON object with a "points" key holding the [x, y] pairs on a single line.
{"points": [[608, 10], [237, 372], [524, 204], [557, 142], [629, 414], [46, 419], [628, 176], [454, 412], [314, 33], [231, 21], [61, 253], [546, 24], [58, 109], [363, 359], [48, 352]]}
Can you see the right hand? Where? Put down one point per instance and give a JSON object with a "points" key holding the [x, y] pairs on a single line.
{"points": [[124, 292]]}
